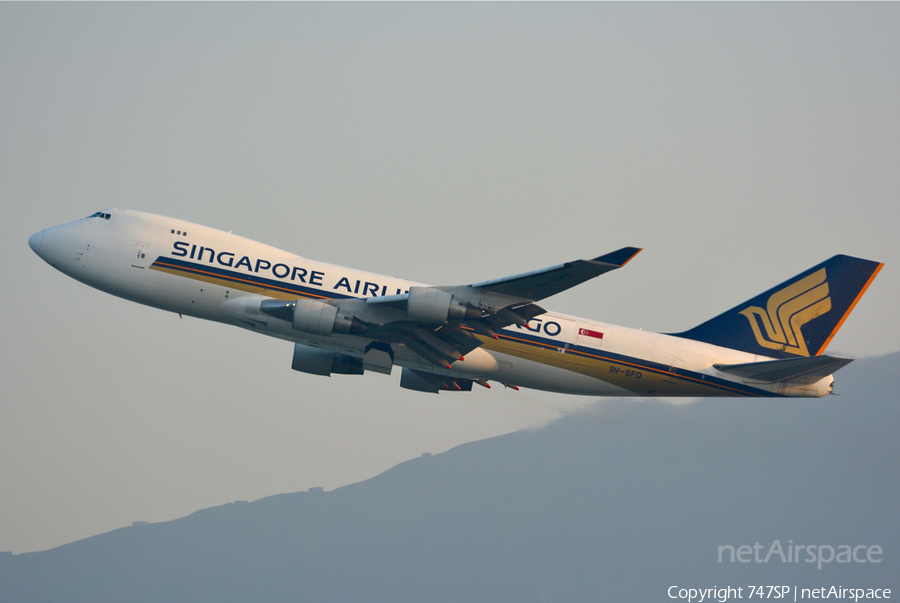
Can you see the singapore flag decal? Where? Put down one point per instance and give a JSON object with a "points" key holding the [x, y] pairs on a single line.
{"points": [[589, 333]]}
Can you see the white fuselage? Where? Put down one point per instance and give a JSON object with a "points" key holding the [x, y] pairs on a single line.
{"points": [[206, 273]]}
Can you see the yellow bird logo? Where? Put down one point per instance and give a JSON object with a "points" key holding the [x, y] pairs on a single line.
{"points": [[787, 311]]}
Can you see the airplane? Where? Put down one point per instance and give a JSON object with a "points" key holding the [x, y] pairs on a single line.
{"points": [[449, 338]]}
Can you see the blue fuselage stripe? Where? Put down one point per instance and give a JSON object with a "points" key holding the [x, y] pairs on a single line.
{"points": [[682, 374], [191, 269]]}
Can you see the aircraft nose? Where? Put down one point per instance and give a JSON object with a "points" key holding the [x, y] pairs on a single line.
{"points": [[56, 245], [35, 242]]}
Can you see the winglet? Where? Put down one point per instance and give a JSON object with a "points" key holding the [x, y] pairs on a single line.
{"points": [[619, 258]]}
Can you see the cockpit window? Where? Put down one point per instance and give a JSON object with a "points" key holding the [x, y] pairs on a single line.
{"points": [[100, 214]]}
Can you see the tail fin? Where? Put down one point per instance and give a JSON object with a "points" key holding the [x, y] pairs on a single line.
{"points": [[799, 317]]}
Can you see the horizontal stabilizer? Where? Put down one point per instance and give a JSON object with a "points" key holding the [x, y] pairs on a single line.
{"points": [[541, 284], [807, 369]]}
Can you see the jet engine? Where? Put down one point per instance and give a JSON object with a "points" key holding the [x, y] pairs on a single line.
{"points": [[433, 305], [314, 316], [319, 362]]}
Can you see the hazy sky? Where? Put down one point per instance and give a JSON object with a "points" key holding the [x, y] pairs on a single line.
{"points": [[739, 144]]}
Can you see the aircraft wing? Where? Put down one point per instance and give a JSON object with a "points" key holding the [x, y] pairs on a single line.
{"points": [[440, 323], [540, 284], [805, 369]]}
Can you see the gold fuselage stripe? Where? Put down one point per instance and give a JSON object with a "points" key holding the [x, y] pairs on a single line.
{"points": [[211, 277], [519, 348], [643, 367]]}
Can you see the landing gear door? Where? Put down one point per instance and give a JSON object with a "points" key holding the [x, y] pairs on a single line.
{"points": [[139, 252]]}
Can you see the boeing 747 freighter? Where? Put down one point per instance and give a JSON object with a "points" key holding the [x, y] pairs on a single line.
{"points": [[344, 321]]}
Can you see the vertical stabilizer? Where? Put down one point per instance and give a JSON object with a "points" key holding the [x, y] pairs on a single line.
{"points": [[797, 318]]}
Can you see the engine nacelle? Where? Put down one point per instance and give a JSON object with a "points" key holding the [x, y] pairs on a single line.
{"points": [[319, 362], [320, 318], [433, 305], [314, 316]]}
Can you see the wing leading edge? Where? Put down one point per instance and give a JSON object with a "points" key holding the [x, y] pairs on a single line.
{"points": [[479, 308], [541, 284]]}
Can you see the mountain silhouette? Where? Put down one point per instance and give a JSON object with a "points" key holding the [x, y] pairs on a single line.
{"points": [[619, 502]]}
